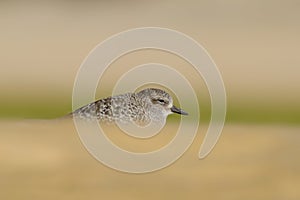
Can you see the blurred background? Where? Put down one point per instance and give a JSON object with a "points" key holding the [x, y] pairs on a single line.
{"points": [[255, 45]]}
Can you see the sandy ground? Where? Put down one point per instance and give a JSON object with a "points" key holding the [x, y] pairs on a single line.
{"points": [[46, 160]]}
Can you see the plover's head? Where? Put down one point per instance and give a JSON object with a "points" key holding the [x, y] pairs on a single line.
{"points": [[159, 103]]}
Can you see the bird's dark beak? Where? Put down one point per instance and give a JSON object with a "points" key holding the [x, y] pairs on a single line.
{"points": [[178, 111]]}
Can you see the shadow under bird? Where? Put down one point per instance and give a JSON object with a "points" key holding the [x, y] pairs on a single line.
{"points": [[141, 108]]}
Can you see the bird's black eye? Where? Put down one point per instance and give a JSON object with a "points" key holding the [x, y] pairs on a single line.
{"points": [[161, 100]]}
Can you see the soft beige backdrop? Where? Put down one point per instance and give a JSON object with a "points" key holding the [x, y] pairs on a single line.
{"points": [[254, 43]]}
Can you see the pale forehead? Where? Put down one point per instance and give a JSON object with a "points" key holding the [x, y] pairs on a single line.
{"points": [[158, 93]]}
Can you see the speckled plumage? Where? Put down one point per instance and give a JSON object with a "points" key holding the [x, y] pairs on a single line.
{"points": [[140, 108]]}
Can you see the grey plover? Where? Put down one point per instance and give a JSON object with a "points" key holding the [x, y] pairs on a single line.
{"points": [[141, 108]]}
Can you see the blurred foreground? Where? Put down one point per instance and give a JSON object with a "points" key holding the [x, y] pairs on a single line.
{"points": [[46, 160]]}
